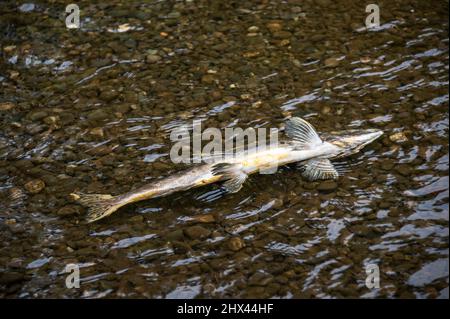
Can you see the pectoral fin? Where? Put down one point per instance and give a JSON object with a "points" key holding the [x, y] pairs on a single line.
{"points": [[233, 174], [320, 168]]}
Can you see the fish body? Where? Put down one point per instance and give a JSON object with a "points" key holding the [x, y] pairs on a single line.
{"points": [[249, 162], [306, 148]]}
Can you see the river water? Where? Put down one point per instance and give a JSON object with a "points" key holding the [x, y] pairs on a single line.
{"points": [[91, 110]]}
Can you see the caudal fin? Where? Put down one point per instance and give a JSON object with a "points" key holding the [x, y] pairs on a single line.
{"points": [[99, 205]]}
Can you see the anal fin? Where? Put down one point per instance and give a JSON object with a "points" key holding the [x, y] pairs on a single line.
{"points": [[318, 168], [233, 175]]}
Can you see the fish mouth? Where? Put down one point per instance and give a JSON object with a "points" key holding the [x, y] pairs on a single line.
{"points": [[352, 141]]}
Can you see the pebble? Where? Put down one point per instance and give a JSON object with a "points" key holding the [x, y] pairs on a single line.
{"points": [[274, 26], [174, 15], [11, 221], [6, 106], [175, 235], [69, 210], [404, 170], [331, 62], [399, 137], [9, 48], [282, 34], [206, 218], [15, 263], [35, 186], [235, 244], [37, 115], [208, 79], [137, 219], [327, 186], [97, 115], [8, 278], [259, 279], [325, 110], [16, 194], [109, 95], [253, 29], [97, 131], [297, 63], [387, 165], [278, 203], [251, 54], [152, 58], [51, 120], [197, 232]]}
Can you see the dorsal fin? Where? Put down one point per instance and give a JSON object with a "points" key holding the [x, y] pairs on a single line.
{"points": [[303, 133]]}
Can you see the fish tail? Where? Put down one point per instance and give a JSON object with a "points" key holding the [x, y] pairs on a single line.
{"points": [[99, 205]]}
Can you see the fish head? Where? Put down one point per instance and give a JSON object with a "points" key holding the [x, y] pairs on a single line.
{"points": [[349, 142]]}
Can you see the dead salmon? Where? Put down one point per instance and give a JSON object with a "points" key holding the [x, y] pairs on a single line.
{"points": [[304, 147]]}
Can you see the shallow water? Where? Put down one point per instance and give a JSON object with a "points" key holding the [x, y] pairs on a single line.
{"points": [[92, 109]]}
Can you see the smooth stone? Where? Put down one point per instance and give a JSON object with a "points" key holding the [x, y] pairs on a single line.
{"points": [[331, 62], [152, 58], [35, 186], [282, 34], [69, 210], [278, 203], [8, 278], [37, 115], [97, 115], [253, 29], [403, 170], [97, 131], [197, 232], [109, 95], [327, 186], [259, 279], [399, 137], [208, 79], [6, 106], [274, 26], [235, 244], [206, 218], [175, 235], [387, 165]]}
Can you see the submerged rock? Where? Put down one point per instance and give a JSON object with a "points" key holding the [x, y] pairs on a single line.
{"points": [[331, 62], [97, 115], [6, 106], [35, 186], [9, 278], [274, 26], [206, 218], [327, 186], [197, 232], [152, 58], [97, 131], [399, 137], [235, 244], [109, 95], [69, 210]]}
